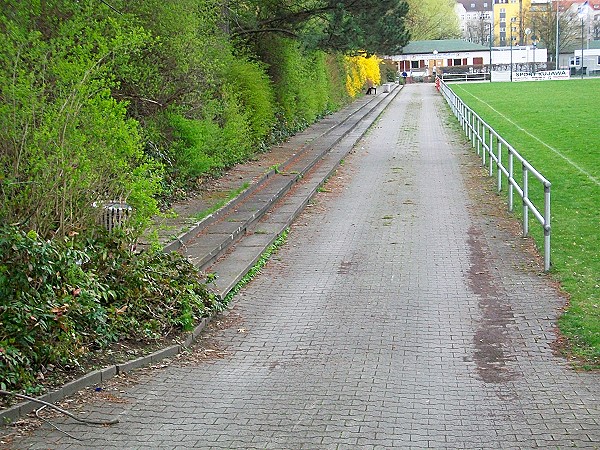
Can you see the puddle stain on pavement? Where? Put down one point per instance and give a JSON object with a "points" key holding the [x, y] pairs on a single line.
{"points": [[492, 339]]}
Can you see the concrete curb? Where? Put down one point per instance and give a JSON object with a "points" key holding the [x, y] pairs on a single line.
{"points": [[184, 238], [284, 222], [99, 376]]}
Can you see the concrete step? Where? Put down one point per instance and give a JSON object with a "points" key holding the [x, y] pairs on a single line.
{"points": [[234, 261]]}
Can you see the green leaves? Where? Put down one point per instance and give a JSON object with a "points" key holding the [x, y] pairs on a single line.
{"points": [[59, 299], [375, 26], [66, 141]]}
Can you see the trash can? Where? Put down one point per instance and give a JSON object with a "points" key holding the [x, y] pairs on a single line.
{"points": [[115, 214]]}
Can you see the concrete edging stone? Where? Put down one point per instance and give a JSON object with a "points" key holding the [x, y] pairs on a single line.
{"points": [[99, 376]]}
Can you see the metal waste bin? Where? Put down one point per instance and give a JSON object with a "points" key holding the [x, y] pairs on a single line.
{"points": [[115, 214]]}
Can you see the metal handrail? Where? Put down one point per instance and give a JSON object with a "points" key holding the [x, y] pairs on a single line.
{"points": [[475, 76], [484, 138]]}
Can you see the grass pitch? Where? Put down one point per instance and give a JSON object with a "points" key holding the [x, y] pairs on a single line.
{"points": [[555, 125]]}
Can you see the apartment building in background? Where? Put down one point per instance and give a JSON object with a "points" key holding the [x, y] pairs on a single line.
{"points": [[475, 18]]}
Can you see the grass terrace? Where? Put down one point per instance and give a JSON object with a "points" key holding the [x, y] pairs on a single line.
{"points": [[555, 125]]}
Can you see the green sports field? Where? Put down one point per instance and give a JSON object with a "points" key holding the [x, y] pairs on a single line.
{"points": [[555, 125]]}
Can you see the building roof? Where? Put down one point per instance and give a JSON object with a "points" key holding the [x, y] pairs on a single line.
{"points": [[442, 46], [477, 5]]}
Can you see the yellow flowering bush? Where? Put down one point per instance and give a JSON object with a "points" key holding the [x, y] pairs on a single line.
{"points": [[361, 71]]}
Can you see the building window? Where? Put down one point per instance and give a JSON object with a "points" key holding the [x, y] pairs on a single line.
{"points": [[457, 62], [414, 64], [598, 60]]}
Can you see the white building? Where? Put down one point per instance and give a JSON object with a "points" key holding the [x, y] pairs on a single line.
{"points": [[475, 19], [423, 58], [591, 60]]}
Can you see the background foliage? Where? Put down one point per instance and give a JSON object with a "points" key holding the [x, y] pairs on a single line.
{"points": [[432, 19]]}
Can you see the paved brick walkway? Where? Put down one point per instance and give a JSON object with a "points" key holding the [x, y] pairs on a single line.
{"points": [[394, 317]]}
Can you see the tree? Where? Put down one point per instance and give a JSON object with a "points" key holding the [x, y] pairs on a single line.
{"points": [[375, 26], [543, 24], [432, 19]]}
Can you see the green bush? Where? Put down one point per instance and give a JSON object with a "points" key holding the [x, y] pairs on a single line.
{"points": [[61, 298], [205, 146], [307, 82], [195, 143], [255, 92], [47, 302], [66, 142]]}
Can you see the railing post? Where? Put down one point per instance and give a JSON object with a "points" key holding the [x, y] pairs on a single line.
{"points": [[483, 157], [491, 161], [511, 175], [546, 228], [469, 124], [525, 196], [499, 166], [479, 136], [473, 120]]}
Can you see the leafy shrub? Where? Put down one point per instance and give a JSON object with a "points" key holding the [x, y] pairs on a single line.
{"points": [[336, 74], [255, 92], [389, 71], [61, 298], [194, 141], [204, 146], [181, 64], [308, 83], [66, 142], [47, 302], [151, 293], [290, 72]]}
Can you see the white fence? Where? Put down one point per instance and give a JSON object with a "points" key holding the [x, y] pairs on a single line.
{"points": [[449, 77], [491, 146]]}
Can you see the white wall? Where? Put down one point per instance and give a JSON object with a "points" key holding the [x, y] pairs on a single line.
{"points": [[520, 55]]}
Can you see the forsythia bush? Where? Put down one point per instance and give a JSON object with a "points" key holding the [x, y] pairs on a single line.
{"points": [[361, 71]]}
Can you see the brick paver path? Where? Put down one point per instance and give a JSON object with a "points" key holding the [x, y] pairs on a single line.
{"points": [[394, 317]]}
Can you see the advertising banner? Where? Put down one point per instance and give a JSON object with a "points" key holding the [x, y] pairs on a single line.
{"points": [[543, 75]]}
